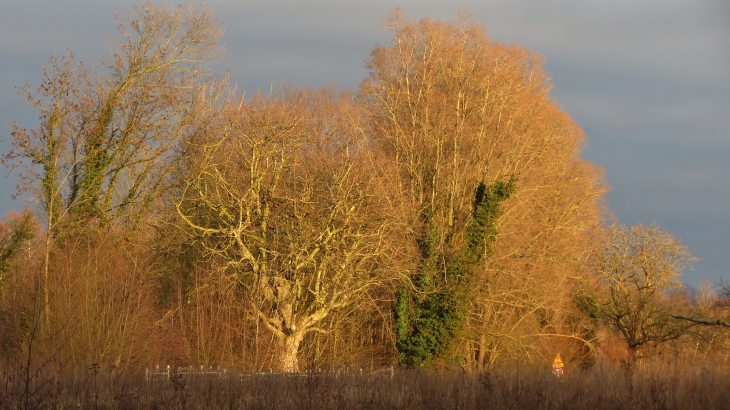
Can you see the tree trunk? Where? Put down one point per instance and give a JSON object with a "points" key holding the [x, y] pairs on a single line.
{"points": [[46, 276], [482, 351], [631, 360], [289, 357]]}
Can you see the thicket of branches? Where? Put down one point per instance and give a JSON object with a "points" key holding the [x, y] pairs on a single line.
{"points": [[439, 217]]}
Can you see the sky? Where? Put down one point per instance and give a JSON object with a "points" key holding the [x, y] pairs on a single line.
{"points": [[648, 81]]}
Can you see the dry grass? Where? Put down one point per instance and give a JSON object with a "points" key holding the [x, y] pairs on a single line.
{"points": [[660, 386]]}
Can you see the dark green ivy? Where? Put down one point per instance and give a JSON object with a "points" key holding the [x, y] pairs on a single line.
{"points": [[431, 306]]}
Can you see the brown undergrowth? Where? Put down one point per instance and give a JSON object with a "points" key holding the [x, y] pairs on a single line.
{"points": [[647, 386]]}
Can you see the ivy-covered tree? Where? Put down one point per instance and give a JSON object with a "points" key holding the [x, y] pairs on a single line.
{"points": [[454, 110], [108, 138], [431, 308]]}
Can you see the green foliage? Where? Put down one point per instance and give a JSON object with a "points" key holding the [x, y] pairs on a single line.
{"points": [[402, 323], [588, 305], [421, 314], [430, 316], [481, 232], [95, 169], [11, 243]]}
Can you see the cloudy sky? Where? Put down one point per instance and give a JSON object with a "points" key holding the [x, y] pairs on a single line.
{"points": [[649, 82]]}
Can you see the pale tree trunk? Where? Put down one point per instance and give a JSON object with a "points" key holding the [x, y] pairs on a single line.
{"points": [[46, 293], [46, 267], [290, 355], [290, 334]]}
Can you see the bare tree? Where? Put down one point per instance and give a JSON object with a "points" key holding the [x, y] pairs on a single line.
{"points": [[455, 111], [108, 137], [639, 268], [287, 192]]}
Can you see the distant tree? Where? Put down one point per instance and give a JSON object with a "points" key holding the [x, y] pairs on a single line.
{"points": [[640, 267]]}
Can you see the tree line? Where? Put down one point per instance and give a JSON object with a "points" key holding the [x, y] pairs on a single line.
{"points": [[440, 216]]}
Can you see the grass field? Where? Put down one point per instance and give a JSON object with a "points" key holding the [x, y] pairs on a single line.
{"points": [[659, 386]]}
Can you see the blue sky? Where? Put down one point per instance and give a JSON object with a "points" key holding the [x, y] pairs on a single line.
{"points": [[648, 81]]}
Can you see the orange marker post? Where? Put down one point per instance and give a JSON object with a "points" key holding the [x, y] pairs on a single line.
{"points": [[558, 366]]}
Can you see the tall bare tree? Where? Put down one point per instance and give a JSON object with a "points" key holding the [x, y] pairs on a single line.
{"points": [[456, 111], [108, 137]]}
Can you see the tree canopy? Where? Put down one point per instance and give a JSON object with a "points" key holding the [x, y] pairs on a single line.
{"points": [[440, 216]]}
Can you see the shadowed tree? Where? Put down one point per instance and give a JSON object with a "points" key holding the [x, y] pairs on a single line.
{"points": [[639, 268]]}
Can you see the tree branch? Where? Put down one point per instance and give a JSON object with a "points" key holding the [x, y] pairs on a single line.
{"points": [[717, 322]]}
